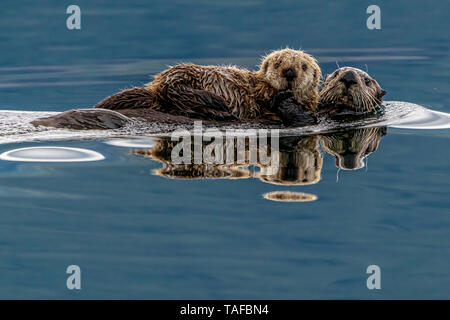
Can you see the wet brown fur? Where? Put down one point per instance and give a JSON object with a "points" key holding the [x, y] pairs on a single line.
{"points": [[225, 92]]}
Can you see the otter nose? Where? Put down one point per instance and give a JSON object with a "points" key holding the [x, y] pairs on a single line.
{"points": [[349, 78], [289, 74], [349, 161]]}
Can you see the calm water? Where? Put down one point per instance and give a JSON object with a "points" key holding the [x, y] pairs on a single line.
{"points": [[140, 235]]}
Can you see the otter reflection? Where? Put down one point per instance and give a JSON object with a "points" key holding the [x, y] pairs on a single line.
{"points": [[163, 150], [352, 146], [294, 160], [300, 162]]}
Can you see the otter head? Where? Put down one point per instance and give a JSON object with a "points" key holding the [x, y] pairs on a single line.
{"points": [[351, 88], [294, 70]]}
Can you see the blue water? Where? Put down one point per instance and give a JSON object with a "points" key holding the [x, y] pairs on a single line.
{"points": [[138, 235]]}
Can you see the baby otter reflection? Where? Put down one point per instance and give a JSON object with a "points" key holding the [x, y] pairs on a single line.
{"points": [[294, 161], [163, 150], [300, 162], [351, 147]]}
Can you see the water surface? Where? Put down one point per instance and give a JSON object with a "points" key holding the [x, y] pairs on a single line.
{"points": [[137, 234]]}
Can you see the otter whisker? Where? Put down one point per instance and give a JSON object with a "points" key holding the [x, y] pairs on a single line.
{"points": [[369, 102], [373, 101], [358, 99], [364, 99]]}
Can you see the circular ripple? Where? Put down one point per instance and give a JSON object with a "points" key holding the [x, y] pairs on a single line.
{"points": [[289, 196], [132, 142], [51, 154]]}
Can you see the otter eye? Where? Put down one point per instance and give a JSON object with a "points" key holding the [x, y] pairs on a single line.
{"points": [[367, 81], [276, 65], [304, 67]]}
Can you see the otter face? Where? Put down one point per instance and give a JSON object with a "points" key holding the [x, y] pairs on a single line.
{"points": [[294, 70], [352, 88]]}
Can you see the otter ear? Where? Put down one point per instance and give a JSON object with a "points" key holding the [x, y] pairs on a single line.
{"points": [[264, 66]]}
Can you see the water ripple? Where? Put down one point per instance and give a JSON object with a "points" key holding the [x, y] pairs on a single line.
{"points": [[51, 154], [15, 126], [427, 119]]}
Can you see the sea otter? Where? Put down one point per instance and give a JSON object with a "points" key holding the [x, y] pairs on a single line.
{"points": [[352, 90], [215, 93], [226, 92]]}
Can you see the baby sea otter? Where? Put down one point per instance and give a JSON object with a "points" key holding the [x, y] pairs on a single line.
{"points": [[215, 93], [226, 92]]}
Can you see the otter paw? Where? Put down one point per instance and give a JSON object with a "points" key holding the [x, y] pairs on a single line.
{"points": [[294, 115], [282, 97]]}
